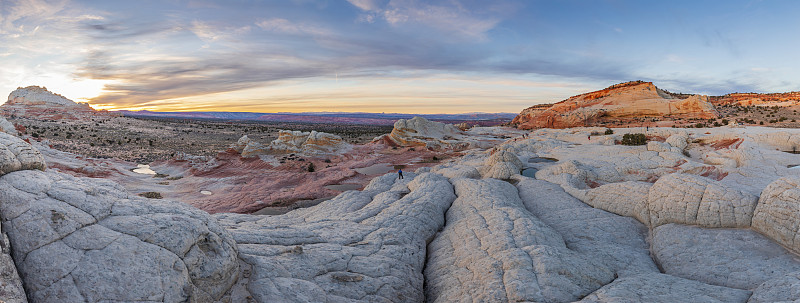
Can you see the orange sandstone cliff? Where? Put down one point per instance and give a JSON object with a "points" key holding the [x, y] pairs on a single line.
{"points": [[618, 103]]}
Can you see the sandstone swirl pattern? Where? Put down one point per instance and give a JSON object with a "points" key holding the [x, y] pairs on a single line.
{"points": [[367, 246]]}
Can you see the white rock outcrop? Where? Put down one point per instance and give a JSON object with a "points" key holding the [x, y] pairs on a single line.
{"points": [[305, 143], [35, 95], [694, 200], [11, 290], [617, 242], [624, 198], [16, 154], [736, 258], [778, 212], [7, 127], [501, 165], [493, 250], [661, 288], [366, 246], [87, 240], [419, 131]]}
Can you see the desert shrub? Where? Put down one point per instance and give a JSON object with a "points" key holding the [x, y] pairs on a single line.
{"points": [[160, 176], [761, 123], [311, 167], [151, 195], [609, 131], [595, 133], [724, 121], [634, 139]]}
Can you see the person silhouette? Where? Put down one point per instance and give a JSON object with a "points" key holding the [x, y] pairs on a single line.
{"points": [[400, 173]]}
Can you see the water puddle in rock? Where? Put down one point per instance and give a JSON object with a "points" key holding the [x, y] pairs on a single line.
{"points": [[280, 210], [143, 169], [205, 192], [529, 172], [542, 160], [376, 169], [343, 187]]}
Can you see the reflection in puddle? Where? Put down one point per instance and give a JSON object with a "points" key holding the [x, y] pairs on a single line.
{"points": [[542, 160], [529, 172], [144, 169], [343, 187]]}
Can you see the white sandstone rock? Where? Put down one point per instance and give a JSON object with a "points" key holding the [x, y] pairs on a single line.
{"points": [[86, 240], [11, 290], [615, 241], [782, 289], [16, 154], [7, 127], [625, 199], [691, 199], [366, 246], [736, 258], [493, 250], [661, 288], [679, 140], [778, 212], [502, 165]]}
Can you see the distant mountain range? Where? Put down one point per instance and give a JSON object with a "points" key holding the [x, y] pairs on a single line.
{"points": [[328, 117]]}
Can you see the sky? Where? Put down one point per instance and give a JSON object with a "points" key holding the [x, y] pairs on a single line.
{"points": [[400, 56]]}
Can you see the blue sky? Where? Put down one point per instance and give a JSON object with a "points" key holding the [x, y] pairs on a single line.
{"points": [[389, 55]]}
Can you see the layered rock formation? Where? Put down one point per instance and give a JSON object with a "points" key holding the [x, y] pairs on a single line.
{"points": [[35, 101], [756, 99], [305, 143], [628, 100]]}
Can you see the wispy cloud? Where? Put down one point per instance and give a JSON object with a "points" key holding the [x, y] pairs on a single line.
{"points": [[280, 25], [449, 17]]}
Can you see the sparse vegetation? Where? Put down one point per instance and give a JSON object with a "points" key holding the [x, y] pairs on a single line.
{"points": [[151, 195], [634, 139], [609, 131]]}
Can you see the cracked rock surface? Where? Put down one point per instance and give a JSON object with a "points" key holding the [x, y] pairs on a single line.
{"points": [[494, 250], [366, 246], [87, 240]]}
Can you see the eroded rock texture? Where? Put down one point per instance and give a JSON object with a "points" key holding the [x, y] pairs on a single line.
{"points": [[695, 200], [367, 246], [778, 212], [494, 250], [87, 240], [661, 288], [16, 154]]}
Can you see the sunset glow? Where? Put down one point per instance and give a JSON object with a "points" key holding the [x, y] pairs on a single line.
{"points": [[386, 56]]}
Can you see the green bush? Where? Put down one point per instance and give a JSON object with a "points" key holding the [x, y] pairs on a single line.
{"points": [[634, 139], [609, 131], [151, 195]]}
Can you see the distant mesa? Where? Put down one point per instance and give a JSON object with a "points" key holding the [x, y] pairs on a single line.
{"points": [[627, 101], [755, 99], [36, 101]]}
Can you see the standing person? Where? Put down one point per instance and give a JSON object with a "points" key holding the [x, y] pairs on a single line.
{"points": [[400, 173]]}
